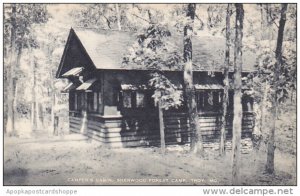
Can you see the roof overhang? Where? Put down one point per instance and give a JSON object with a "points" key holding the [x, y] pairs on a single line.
{"points": [[73, 72], [68, 88], [86, 86]]}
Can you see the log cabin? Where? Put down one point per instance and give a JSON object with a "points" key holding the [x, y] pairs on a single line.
{"points": [[111, 102]]}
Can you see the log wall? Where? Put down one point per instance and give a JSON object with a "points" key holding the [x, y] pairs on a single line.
{"points": [[145, 132]]}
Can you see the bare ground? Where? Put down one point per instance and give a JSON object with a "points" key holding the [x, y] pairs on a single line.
{"points": [[75, 160]]}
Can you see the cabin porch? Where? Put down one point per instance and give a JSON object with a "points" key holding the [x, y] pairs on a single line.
{"points": [[136, 126], [117, 108]]}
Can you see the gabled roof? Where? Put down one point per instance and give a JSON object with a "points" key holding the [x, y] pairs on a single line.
{"points": [[106, 49]]}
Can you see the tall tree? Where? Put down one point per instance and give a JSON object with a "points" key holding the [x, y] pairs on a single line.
{"points": [[154, 51], [10, 127], [237, 111], [118, 17], [226, 82], [194, 127], [278, 64], [166, 95], [34, 111], [19, 20]]}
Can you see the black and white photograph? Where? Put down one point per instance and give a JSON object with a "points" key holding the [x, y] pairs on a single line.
{"points": [[188, 94]]}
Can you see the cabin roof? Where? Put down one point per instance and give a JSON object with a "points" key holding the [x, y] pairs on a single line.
{"points": [[86, 85], [73, 72], [106, 49]]}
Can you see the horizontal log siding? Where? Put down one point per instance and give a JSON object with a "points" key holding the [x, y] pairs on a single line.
{"points": [[112, 132]]}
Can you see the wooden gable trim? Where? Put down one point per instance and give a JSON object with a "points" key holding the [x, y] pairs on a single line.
{"points": [[72, 35], [58, 73], [84, 50]]}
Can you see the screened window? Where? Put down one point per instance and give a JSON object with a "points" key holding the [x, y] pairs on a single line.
{"points": [[209, 100], [247, 103], [72, 100], [80, 100], [134, 99], [90, 101], [95, 103], [99, 98], [75, 101], [127, 99], [140, 100]]}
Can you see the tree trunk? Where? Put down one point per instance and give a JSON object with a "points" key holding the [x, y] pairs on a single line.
{"points": [[194, 127], [161, 127], [265, 22], [41, 116], [33, 91], [19, 54], [226, 82], [118, 17], [10, 127], [53, 102], [278, 54], [237, 112], [52, 90], [34, 102], [263, 107], [53, 105]]}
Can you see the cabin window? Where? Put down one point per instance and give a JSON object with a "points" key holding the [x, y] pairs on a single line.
{"points": [[90, 101], [230, 99], [127, 99], [149, 100], [99, 102], [99, 98], [247, 103], [95, 99], [72, 100], [133, 99], [209, 100], [75, 101], [140, 100], [79, 101], [83, 100]]}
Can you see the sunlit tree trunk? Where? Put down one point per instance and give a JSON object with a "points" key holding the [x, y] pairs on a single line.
{"points": [[237, 111], [226, 82], [41, 115], [194, 127], [118, 17], [161, 127], [263, 105], [34, 106], [10, 127], [15, 85], [53, 102], [49, 50], [34, 102], [278, 54], [266, 33]]}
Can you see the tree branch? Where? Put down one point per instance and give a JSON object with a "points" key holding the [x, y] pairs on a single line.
{"points": [[272, 18], [142, 18], [107, 21]]}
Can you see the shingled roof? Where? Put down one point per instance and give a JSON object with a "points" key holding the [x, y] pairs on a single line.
{"points": [[106, 48]]}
